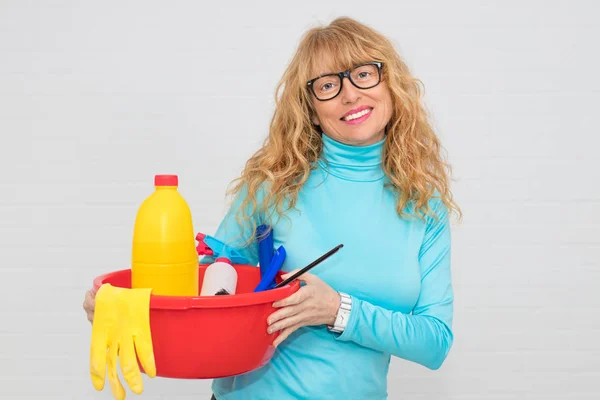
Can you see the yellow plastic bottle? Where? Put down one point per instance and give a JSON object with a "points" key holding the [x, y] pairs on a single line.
{"points": [[164, 255]]}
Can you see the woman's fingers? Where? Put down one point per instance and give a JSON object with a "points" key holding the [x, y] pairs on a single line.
{"points": [[284, 313], [296, 298], [89, 304], [284, 334], [284, 323], [89, 301]]}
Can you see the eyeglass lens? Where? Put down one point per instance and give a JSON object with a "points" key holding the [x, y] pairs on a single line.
{"points": [[363, 77]]}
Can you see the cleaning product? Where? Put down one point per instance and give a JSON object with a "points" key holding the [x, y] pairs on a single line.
{"points": [[120, 337], [164, 256], [268, 279], [213, 247], [264, 236], [220, 278]]}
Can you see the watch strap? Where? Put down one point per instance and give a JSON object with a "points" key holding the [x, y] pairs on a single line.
{"points": [[343, 314]]}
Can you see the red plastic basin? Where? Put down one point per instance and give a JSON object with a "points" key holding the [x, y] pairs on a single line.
{"points": [[207, 337]]}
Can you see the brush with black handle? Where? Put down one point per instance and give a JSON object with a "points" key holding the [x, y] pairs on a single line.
{"points": [[309, 266]]}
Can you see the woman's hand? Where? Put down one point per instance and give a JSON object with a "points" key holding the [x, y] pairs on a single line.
{"points": [[315, 303], [89, 304]]}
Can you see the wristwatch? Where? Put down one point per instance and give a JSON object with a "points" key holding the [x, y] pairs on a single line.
{"points": [[343, 314]]}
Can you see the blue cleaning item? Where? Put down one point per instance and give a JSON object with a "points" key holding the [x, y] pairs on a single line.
{"points": [[210, 246], [265, 247], [269, 277]]}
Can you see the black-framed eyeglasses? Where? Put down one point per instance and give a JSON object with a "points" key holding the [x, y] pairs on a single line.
{"points": [[363, 76]]}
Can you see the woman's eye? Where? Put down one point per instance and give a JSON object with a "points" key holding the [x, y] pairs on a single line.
{"points": [[363, 75], [327, 86]]}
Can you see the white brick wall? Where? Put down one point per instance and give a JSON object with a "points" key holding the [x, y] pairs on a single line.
{"points": [[95, 99]]}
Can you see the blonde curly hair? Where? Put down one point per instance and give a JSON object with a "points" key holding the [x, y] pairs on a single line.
{"points": [[412, 162]]}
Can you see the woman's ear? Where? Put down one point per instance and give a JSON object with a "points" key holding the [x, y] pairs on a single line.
{"points": [[315, 119]]}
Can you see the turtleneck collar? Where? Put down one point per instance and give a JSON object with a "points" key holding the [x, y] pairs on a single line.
{"points": [[355, 163]]}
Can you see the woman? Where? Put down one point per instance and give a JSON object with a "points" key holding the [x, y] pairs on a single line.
{"points": [[350, 158]]}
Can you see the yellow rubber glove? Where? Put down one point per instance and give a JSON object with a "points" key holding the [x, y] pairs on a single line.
{"points": [[121, 327]]}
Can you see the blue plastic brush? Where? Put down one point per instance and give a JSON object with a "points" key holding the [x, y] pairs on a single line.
{"points": [[268, 278], [265, 247]]}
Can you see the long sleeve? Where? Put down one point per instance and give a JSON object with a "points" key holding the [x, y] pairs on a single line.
{"points": [[424, 336]]}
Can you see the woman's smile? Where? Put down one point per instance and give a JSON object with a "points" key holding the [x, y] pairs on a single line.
{"points": [[357, 115]]}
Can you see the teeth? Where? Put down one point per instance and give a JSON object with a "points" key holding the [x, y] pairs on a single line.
{"points": [[356, 115]]}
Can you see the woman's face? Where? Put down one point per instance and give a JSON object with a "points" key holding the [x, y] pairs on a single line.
{"points": [[356, 116]]}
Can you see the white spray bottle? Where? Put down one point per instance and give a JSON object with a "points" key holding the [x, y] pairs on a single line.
{"points": [[220, 278]]}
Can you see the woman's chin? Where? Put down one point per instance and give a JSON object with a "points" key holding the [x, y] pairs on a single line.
{"points": [[362, 138]]}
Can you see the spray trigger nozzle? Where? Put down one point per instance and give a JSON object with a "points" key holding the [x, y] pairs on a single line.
{"points": [[210, 246]]}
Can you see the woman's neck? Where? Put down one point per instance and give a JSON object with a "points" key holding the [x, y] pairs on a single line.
{"points": [[352, 162]]}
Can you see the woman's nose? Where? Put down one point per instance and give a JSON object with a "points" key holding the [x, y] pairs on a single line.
{"points": [[350, 93]]}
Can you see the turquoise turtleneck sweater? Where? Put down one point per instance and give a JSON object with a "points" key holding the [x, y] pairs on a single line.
{"points": [[396, 270]]}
